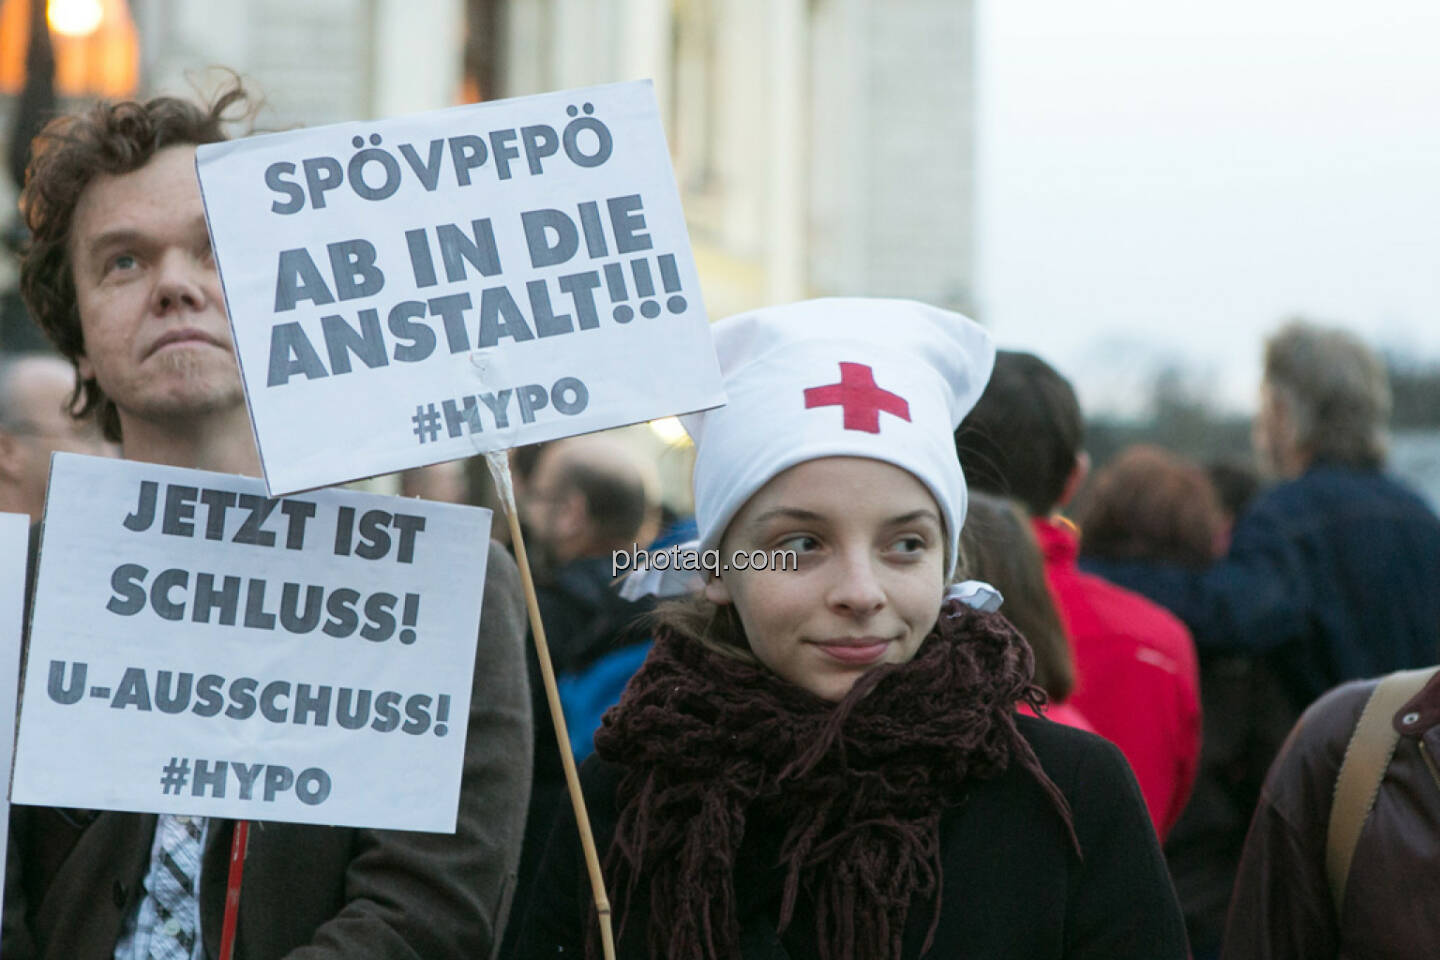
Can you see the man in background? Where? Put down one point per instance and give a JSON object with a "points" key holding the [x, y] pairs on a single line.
{"points": [[1334, 574], [35, 393], [586, 498]]}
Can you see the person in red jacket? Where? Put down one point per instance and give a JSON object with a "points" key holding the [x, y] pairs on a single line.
{"points": [[1136, 676]]}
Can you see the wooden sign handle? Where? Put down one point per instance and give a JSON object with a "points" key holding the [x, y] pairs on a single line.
{"points": [[500, 467]]}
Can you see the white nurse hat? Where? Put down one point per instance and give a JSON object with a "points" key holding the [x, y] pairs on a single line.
{"points": [[884, 379]]}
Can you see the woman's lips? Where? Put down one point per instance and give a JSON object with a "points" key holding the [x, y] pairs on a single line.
{"points": [[867, 650]]}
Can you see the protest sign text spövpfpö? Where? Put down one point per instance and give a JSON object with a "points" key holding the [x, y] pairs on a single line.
{"points": [[414, 290]]}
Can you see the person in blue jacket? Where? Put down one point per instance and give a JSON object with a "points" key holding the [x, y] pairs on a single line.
{"points": [[1334, 574]]}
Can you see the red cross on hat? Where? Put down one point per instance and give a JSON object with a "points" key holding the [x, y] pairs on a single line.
{"points": [[859, 396]]}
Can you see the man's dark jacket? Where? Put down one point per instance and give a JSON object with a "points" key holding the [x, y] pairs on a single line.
{"points": [[585, 619], [1333, 576]]}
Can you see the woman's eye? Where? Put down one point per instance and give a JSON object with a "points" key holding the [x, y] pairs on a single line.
{"points": [[123, 261], [799, 543], [911, 543]]}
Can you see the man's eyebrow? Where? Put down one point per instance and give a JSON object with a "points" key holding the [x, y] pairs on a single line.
{"points": [[113, 237], [127, 235]]}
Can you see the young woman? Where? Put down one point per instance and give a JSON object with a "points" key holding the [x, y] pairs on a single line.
{"points": [[825, 761]]}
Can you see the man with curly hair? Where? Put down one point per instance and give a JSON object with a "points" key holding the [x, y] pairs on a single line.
{"points": [[121, 276]]}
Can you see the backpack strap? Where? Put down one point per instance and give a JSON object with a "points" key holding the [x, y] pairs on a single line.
{"points": [[1367, 756]]}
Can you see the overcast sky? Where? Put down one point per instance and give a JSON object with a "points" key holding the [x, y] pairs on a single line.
{"points": [[1164, 180]]}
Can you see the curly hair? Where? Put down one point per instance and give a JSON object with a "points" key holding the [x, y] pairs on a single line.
{"points": [[109, 138]]}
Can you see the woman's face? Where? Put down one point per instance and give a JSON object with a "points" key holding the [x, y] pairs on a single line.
{"points": [[870, 579]]}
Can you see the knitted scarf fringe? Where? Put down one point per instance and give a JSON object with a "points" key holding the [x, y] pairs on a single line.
{"points": [[859, 787]]}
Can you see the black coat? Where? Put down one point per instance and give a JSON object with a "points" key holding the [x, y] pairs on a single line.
{"points": [[1013, 886]]}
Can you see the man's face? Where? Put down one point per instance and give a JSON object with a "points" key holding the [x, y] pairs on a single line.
{"points": [[1271, 435], [37, 426], [151, 310], [554, 512]]}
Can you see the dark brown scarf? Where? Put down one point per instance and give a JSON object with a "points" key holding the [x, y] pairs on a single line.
{"points": [[857, 788]]}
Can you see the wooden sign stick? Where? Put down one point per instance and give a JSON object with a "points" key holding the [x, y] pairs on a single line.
{"points": [[499, 463]]}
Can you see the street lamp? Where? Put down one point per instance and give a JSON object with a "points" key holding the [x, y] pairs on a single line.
{"points": [[80, 49], [74, 18], [96, 49]]}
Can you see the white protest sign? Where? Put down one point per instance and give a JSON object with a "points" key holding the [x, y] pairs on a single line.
{"points": [[14, 542], [419, 289], [197, 648]]}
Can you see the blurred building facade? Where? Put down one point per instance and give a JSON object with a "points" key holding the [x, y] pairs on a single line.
{"points": [[822, 147], [315, 62]]}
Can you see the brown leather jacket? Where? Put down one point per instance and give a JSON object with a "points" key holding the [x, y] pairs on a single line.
{"points": [[1281, 907]]}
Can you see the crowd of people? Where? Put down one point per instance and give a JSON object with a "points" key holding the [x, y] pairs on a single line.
{"points": [[1149, 750]]}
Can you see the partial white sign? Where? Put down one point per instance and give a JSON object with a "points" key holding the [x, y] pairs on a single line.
{"points": [[14, 542], [198, 648], [420, 289]]}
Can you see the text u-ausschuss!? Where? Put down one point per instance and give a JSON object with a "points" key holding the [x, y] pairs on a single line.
{"points": [[147, 690]]}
